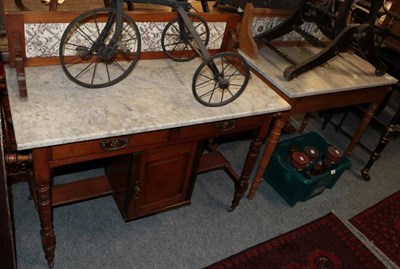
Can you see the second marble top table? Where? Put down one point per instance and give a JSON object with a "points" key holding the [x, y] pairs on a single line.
{"points": [[344, 72], [342, 81]]}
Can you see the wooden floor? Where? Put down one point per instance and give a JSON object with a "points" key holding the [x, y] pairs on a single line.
{"points": [[79, 5]]}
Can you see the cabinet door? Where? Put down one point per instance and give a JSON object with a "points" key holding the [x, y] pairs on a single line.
{"points": [[163, 179]]}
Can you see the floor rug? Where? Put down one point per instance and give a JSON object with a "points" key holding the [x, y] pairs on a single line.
{"points": [[322, 243], [381, 225]]}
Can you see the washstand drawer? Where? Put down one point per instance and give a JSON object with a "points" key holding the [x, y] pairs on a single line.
{"points": [[107, 145], [221, 127]]}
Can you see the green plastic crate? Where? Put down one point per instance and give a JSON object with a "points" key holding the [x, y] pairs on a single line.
{"points": [[292, 185]]}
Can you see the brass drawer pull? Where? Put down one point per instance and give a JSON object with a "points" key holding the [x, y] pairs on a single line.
{"points": [[224, 126], [114, 144]]}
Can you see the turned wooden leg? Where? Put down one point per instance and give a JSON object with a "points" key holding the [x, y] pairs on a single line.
{"points": [[269, 149], [304, 122], [43, 194], [243, 182], [391, 131], [44, 202], [361, 128]]}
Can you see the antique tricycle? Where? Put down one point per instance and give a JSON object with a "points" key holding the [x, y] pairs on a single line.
{"points": [[101, 47]]}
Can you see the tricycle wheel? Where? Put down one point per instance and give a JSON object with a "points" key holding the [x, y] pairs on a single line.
{"points": [[220, 79], [177, 42], [83, 42]]}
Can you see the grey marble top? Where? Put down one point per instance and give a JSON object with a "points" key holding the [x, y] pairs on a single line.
{"points": [[343, 72], [156, 95]]}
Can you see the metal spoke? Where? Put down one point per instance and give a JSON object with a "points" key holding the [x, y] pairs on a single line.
{"points": [[228, 90], [177, 29], [84, 35], [86, 68], [177, 43], [204, 82], [215, 86], [77, 57], [94, 70], [119, 66], [73, 44], [206, 76], [233, 74], [212, 94], [97, 25], [173, 34], [231, 84], [108, 73], [223, 70]]}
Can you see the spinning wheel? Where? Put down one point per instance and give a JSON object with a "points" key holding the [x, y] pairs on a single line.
{"points": [[216, 88], [178, 43], [85, 52]]}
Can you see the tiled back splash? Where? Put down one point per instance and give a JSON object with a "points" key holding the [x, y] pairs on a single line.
{"points": [[262, 24], [43, 39]]}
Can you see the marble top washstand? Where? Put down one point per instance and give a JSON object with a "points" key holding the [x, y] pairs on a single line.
{"points": [[156, 95], [343, 72]]}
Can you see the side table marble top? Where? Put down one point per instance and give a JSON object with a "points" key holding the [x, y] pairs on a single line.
{"points": [[344, 72], [156, 95]]}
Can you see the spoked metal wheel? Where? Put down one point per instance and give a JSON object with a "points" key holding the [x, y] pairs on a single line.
{"points": [[86, 37], [220, 79], [178, 45]]}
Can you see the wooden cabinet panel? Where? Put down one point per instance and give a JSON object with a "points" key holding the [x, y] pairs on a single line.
{"points": [[153, 180]]}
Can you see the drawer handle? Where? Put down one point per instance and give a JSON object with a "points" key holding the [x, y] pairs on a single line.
{"points": [[224, 126], [114, 144]]}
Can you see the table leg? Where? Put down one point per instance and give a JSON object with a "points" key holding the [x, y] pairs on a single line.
{"points": [[361, 128], [386, 137], [44, 202], [251, 158], [269, 149], [304, 122]]}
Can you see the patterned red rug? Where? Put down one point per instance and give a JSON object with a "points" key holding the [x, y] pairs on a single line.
{"points": [[381, 225], [323, 243]]}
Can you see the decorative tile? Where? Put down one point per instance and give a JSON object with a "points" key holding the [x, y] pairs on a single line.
{"points": [[150, 34], [43, 39], [262, 24], [217, 30]]}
